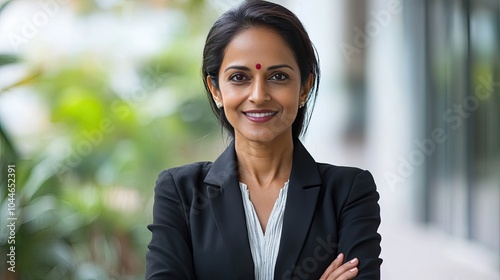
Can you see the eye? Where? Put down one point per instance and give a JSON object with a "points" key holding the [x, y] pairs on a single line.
{"points": [[279, 77], [237, 77]]}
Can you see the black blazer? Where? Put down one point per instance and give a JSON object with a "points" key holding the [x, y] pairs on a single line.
{"points": [[199, 228]]}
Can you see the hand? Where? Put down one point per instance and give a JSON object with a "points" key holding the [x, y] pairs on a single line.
{"points": [[339, 271]]}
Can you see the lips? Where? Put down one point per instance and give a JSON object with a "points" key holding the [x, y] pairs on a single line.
{"points": [[260, 116]]}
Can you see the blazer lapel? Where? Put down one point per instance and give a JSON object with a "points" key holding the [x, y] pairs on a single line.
{"points": [[302, 196], [228, 212]]}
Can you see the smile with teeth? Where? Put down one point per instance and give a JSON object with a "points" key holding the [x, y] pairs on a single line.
{"points": [[260, 115]]}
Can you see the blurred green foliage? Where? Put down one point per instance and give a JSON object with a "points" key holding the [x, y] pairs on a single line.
{"points": [[84, 192]]}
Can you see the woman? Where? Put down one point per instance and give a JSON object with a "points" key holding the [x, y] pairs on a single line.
{"points": [[264, 209]]}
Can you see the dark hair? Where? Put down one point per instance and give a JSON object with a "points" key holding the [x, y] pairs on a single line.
{"points": [[252, 13]]}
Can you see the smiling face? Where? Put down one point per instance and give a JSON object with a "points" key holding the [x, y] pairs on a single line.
{"points": [[259, 86]]}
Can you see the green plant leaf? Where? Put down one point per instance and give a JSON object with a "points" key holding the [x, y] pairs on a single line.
{"points": [[8, 59]]}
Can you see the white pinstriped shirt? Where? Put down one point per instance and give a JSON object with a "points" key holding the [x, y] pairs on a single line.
{"points": [[264, 247]]}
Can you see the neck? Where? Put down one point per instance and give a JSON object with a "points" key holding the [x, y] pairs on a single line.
{"points": [[264, 163]]}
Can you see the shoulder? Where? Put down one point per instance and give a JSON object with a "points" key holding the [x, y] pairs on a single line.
{"points": [[344, 180], [180, 185], [189, 174], [340, 174], [187, 170]]}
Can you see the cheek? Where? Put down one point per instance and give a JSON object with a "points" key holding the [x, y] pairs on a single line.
{"points": [[290, 114], [290, 100], [231, 99], [231, 93]]}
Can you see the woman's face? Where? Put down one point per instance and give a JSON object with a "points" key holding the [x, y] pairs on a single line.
{"points": [[260, 86]]}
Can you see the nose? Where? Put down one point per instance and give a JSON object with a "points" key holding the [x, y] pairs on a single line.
{"points": [[259, 92]]}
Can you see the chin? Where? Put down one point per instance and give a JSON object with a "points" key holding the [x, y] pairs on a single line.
{"points": [[262, 136]]}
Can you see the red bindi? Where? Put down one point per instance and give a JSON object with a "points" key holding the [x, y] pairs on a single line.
{"points": [[258, 66]]}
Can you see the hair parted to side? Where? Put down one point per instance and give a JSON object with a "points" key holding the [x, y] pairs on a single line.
{"points": [[258, 13]]}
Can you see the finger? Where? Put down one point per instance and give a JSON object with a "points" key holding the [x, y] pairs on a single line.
{"points": [[334, 265], [335, 275], [348, 275]]}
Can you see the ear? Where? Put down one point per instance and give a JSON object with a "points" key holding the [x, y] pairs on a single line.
{"points": [[214, 90], [306, 88]]}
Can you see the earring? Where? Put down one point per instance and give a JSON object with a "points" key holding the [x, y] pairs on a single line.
{"points": [[302, 104], [219, 104]]}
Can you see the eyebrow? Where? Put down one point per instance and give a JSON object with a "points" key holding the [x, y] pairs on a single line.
{"points": [[280, 66], [244, 68]]}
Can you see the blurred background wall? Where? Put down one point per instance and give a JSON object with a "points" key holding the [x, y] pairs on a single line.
{"points": [[98, 96]]}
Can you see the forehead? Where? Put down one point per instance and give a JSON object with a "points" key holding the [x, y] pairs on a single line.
{"points": [[258, 45]]}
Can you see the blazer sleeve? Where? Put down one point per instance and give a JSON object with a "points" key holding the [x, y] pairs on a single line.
{"points": [[170, 254], [360, 219]]}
